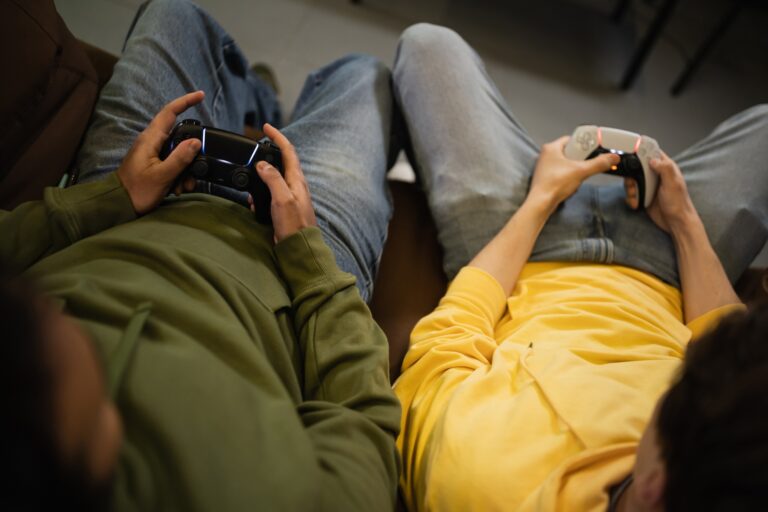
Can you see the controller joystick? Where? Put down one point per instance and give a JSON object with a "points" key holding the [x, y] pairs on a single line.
{"points": [[198, 169], [240, 178], [228, 159], [635, 152]]}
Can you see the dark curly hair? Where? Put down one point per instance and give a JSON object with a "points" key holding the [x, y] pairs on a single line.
{"points": [[713, 422], [36, 476]]}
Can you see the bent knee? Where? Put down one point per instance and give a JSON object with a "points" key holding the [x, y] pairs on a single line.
{"points": [[428, 39], [366, 63], [759, 113], [362, 67], [172, 10]]}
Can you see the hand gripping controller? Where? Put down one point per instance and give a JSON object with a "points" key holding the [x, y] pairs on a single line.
{"points": [[635, 151], [229, 160]]}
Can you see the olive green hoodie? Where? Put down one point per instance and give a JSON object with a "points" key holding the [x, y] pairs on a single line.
{"points": [[248, 376]]}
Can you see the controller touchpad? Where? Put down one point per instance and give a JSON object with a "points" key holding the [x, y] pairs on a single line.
{"points": [[230, 147]]}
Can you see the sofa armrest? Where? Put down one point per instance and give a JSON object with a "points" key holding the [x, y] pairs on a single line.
{"points": [[45, 107], [102, 61]]}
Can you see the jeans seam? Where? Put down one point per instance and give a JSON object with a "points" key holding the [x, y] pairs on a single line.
{"points": [[611, 253], [217, 95]]}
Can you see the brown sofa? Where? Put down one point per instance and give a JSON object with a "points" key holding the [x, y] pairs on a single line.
{"points": [[44, 112]]}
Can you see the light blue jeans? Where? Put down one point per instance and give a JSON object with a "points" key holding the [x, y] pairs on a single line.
{"points": [[475, 161], [342, 126]]}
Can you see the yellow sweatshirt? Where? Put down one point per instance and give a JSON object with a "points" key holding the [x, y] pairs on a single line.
{"points": [[536, 401]]}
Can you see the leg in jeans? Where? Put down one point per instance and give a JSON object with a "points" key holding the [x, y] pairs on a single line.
{"points": [[727, 177], [474, 159], [342, 129], [173, 47]]}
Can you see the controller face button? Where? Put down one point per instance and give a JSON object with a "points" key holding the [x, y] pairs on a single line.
{"points": [[240, 178], [199, 168], [585, 140]]}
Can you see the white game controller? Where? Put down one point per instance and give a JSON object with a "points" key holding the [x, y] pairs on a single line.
{"points": [[635, 151]]}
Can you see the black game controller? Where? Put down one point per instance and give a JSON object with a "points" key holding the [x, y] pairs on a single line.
{"points": [[229, 160]]}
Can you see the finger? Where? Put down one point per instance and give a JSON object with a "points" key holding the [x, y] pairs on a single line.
{"points": [[556, 146], [600, 163], [631, 189], [663, 166], [179, 159], [274, 181], [166, 118], [155, 135], [630, 186], [291, 164], [561, 142], [189, 184], [251, 205]]}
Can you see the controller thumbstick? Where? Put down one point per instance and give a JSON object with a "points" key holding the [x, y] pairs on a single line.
{"points": [[199, 168], [240, 178]]}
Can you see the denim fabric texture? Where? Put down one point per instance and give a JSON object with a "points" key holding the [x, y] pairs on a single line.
{"points": [[475, 161], [342, 125]]}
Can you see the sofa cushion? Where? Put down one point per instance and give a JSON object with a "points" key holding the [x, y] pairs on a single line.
{"points": [[46, 101], [410, 281]]}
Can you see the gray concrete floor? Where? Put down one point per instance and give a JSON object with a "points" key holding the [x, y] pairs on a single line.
{"points": [[557, 62]]}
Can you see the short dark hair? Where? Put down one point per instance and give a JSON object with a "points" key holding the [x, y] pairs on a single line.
{"points": [[37, 477], [713, 422]]}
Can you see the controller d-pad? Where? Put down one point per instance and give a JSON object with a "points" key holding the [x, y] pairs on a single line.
{"points": [[240, 178], [199, 168], [586, 140]]}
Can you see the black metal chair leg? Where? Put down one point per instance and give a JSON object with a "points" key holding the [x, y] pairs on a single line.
{"points": [[705, 48], [619, 10], [649, 40]]}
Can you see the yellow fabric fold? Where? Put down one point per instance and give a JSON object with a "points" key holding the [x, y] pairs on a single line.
{"points": [[536, 401]]}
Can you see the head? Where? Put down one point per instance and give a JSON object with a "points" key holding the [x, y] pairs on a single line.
{"points": [[60, 433], [706, 446]]}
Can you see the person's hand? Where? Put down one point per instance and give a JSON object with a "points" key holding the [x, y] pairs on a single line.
{"points": [[291, 206], [556, 177], [147, 178], [672, 207]]}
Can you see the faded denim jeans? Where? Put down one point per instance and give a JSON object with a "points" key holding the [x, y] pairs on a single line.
{"points": [[342, 124], [476, 161]]}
